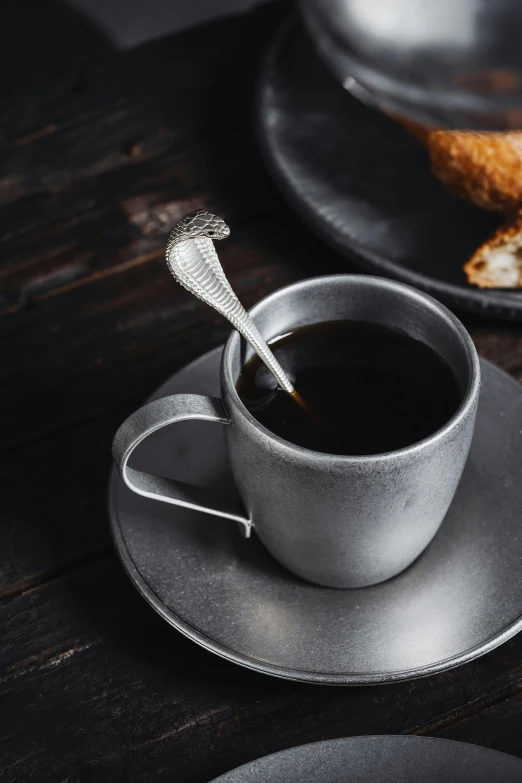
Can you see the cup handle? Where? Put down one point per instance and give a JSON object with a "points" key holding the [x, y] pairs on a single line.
{"points": [[153, 416]]}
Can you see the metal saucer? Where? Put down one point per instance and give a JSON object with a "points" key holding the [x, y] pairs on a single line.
{"points": [[460, 599], [360, 181], [381, 759]]}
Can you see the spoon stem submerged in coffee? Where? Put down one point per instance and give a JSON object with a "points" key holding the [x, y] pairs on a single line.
{"points": [[373, 389]]}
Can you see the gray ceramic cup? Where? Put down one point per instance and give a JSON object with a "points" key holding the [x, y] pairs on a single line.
{"points": [[338, 521]]}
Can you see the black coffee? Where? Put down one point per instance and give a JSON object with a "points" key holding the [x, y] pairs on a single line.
{"points": [[373, 389]]}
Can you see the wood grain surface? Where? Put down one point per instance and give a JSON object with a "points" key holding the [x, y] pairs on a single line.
{"points": [[96, 167]]}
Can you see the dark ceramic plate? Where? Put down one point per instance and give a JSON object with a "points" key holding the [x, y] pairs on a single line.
{"points": [[461, 597], [364, 185], [382, 759]]}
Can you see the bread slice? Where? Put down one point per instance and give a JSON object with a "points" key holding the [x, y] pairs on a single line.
{"points": [[484, 168], [498, 262]]}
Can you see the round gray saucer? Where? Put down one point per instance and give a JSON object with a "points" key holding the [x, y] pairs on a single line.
{"points": [[381, 759], [362, 183], [461, 598]]}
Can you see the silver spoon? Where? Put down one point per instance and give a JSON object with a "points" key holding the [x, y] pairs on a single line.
{"points": [[194, 263]]}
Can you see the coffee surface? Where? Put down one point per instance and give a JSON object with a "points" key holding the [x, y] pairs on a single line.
{"points": [[374, 389]]}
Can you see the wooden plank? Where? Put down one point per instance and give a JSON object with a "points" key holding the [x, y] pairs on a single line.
{"points": [[97, 186], [497, 726], [94, 682], [501, 344], [103, 224], [130, 107], [54, 504]]}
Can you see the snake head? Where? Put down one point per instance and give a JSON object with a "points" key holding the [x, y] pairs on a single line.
{"points": [[199, 224]]}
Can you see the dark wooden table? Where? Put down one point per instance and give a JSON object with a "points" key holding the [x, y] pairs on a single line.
{"points": [[97, 165]]}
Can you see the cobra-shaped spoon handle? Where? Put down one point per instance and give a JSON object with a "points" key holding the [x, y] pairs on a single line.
{"points": [[193, 261]]}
